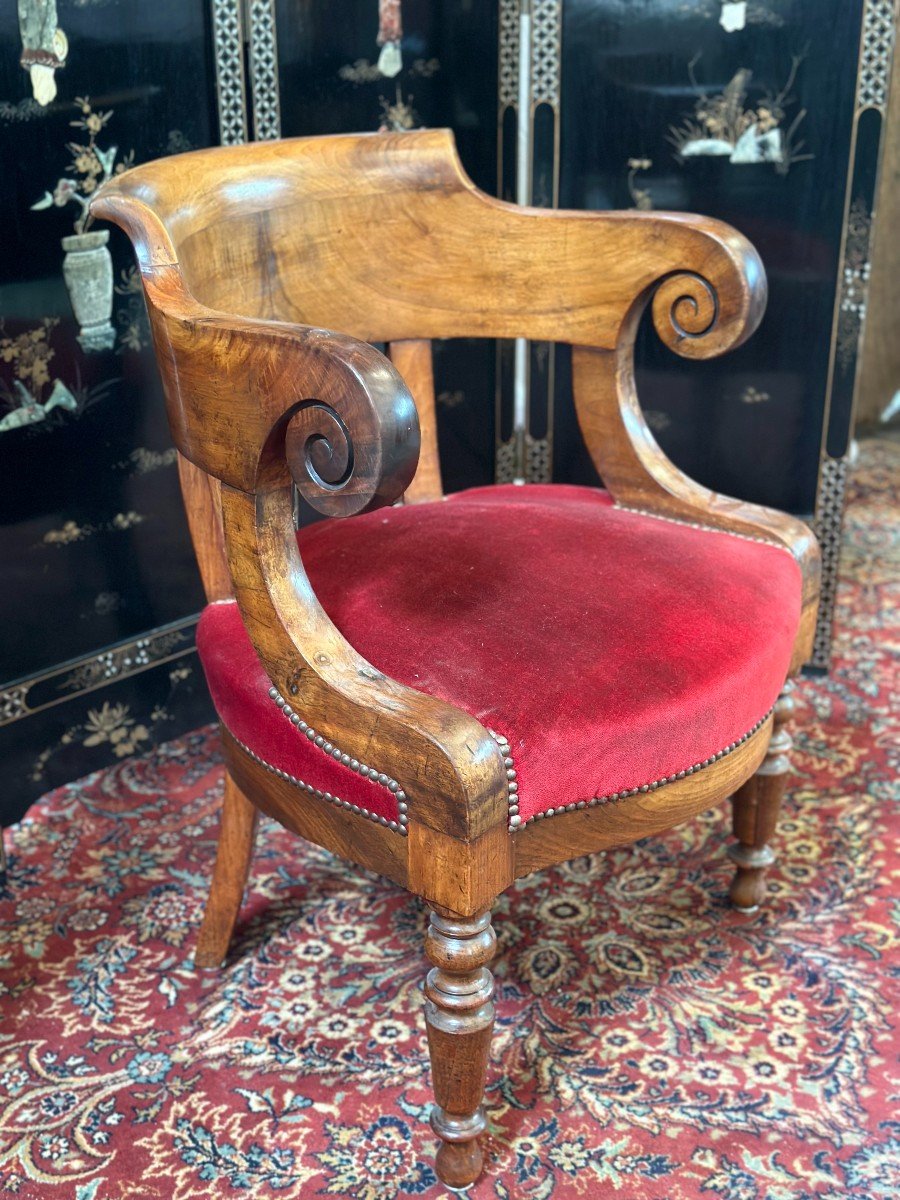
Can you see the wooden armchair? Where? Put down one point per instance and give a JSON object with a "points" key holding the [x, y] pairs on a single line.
{"points": [[455, 692]]}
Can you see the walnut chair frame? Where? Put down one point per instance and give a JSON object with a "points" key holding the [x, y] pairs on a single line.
{"points": [[249, 256]]}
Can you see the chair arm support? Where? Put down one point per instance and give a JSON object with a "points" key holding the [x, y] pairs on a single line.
{"points": [[447, 763], [696, 318], [257, 402]]}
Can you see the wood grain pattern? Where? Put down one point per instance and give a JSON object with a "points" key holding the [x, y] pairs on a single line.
{"points": [[237, 835], [352, 837], [413, 359], [383, 236], [756, 806], [267, 269], [203, 504], [459, 1018], [447, 763]]}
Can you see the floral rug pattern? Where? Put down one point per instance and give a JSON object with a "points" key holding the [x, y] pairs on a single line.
{"points": [[651, 1044]]}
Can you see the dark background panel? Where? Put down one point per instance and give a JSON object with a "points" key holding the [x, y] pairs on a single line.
{"points": [[93, 542], [751, 423]]}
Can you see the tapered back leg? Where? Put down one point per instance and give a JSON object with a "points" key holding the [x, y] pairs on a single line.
{"points": [[237, 834]]}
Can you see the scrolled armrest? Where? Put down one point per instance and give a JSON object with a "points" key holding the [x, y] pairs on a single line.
{"points": [[258, 403], [710, 289]]}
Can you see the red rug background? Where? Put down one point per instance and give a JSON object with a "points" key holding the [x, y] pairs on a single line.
{"points": [[651, 1043]]}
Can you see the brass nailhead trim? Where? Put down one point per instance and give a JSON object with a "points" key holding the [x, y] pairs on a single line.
{"points": [[515, 820], [362, 769], [613, 797], [744, 537], [512, 781]]}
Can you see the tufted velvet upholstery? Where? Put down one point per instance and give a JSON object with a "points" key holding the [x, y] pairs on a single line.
{"points": [[612, 649]]}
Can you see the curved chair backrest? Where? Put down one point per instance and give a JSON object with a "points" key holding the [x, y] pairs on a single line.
{"points": [[383, 236]]}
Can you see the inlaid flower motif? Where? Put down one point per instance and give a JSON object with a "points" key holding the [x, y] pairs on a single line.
{"points": [[30, 352], [65, 190], [112, 723]]}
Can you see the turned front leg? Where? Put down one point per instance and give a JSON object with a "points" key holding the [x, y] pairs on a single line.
{"points": [[755, 811], [459, 1016]]}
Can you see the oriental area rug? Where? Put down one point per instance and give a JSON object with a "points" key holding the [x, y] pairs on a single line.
{"points": [[651, 1044]]}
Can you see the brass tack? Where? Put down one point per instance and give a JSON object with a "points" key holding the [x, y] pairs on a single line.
{"points": [[393, 785], [515, 821], [320, 741], [354, 764]]}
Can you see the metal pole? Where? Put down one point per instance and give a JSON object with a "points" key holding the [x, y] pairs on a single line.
{"points": [[523, 196]]}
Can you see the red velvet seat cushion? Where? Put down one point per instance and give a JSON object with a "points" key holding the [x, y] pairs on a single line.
{"points": [[612, 649]]}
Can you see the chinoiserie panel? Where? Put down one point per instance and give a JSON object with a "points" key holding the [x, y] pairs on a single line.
{"points": [[747, 116], [97, 581]]}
